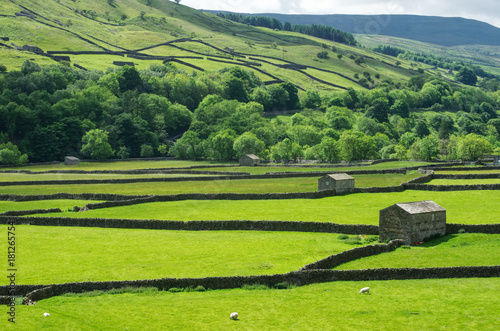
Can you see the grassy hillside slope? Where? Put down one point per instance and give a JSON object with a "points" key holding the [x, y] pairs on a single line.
{"points": [[148, 35]]}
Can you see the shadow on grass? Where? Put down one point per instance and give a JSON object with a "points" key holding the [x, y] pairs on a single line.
{"points": [[437, 241]]}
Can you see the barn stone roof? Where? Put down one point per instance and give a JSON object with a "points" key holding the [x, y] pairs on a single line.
{"points": [[419, 207], [252, 156], [340, 176]]}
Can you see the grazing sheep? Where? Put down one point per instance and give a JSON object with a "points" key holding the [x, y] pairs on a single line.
{"points": [[234, 316], [365, 290], [46, 314]]}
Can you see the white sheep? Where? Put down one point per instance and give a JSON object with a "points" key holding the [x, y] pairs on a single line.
{"points": [[365, 290], [233, 316], [46, 314]]}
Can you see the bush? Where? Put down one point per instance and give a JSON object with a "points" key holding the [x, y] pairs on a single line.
{"points": [[200, 288], [343, 237], [10, 154]]}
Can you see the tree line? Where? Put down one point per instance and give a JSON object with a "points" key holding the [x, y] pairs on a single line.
{"points": [[47, 113], [315, 30]]}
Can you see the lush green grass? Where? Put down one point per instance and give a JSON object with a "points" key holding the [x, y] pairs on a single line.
{"points": [[441, 304], [118, 165], [467, 249], [21, 177], [274, 185], [50, 255], [381, 166], [463, 181], [478, 171], [45, 204], [463, 207]]}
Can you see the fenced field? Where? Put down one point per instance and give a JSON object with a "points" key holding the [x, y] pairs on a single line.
{"points": [[244, 248]]}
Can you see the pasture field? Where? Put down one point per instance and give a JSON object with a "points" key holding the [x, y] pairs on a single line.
{"points": [[465, 249], [461, 172], [463, 207], [126, 165], [51, 255], [272, 185], [173, 164], [44, 204], [464, 181], [431, 304], [21, 177]]}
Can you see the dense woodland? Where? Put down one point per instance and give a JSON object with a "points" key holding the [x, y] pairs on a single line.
{"points": [[47, 113]]}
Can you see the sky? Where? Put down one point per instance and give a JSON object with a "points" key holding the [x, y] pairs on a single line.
{"points": [[483, 10]]}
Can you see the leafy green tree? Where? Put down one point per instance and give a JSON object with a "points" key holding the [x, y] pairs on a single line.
{"points": [[95, 145], [472, 147], [304, 135], [286, 151], [222, 145], [163, 149], [311, 100], [329, 150], [248, 143], [425, 149], [467, 76], [123, 153], [188, 147], [401, 108], [129, 78], [293, 98], [10, 154], [421, 130], [279, 96], [355, 145], [234, 89], [147, 150]]}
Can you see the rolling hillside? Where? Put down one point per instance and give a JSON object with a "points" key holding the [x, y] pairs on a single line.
{"points": [[444, 31], [131, 31]]}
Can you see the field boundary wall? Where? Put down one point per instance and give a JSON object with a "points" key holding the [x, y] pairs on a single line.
{"points": [[35, 293]]}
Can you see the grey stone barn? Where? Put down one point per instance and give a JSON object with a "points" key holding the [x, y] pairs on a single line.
{"points": [[338, 182], [71, 160], [496, 160], [412, 221], [249, 160]]}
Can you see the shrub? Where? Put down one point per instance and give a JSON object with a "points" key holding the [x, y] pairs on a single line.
{"points": [[200, 288], [343, 237]]}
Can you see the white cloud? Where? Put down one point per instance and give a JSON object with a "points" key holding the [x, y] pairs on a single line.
{"points": [[483, 10]]}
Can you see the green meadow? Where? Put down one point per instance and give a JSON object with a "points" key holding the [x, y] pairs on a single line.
{"points": [[431, 304], [49, 255], [273, 185], [54, 255], [465, 249], [463, 207], [43, 204], [464, 181]]}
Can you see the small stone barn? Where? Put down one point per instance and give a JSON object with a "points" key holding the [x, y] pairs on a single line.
{"points": [[412, 221], [249, 160], [71, 160], [338, 182]]}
